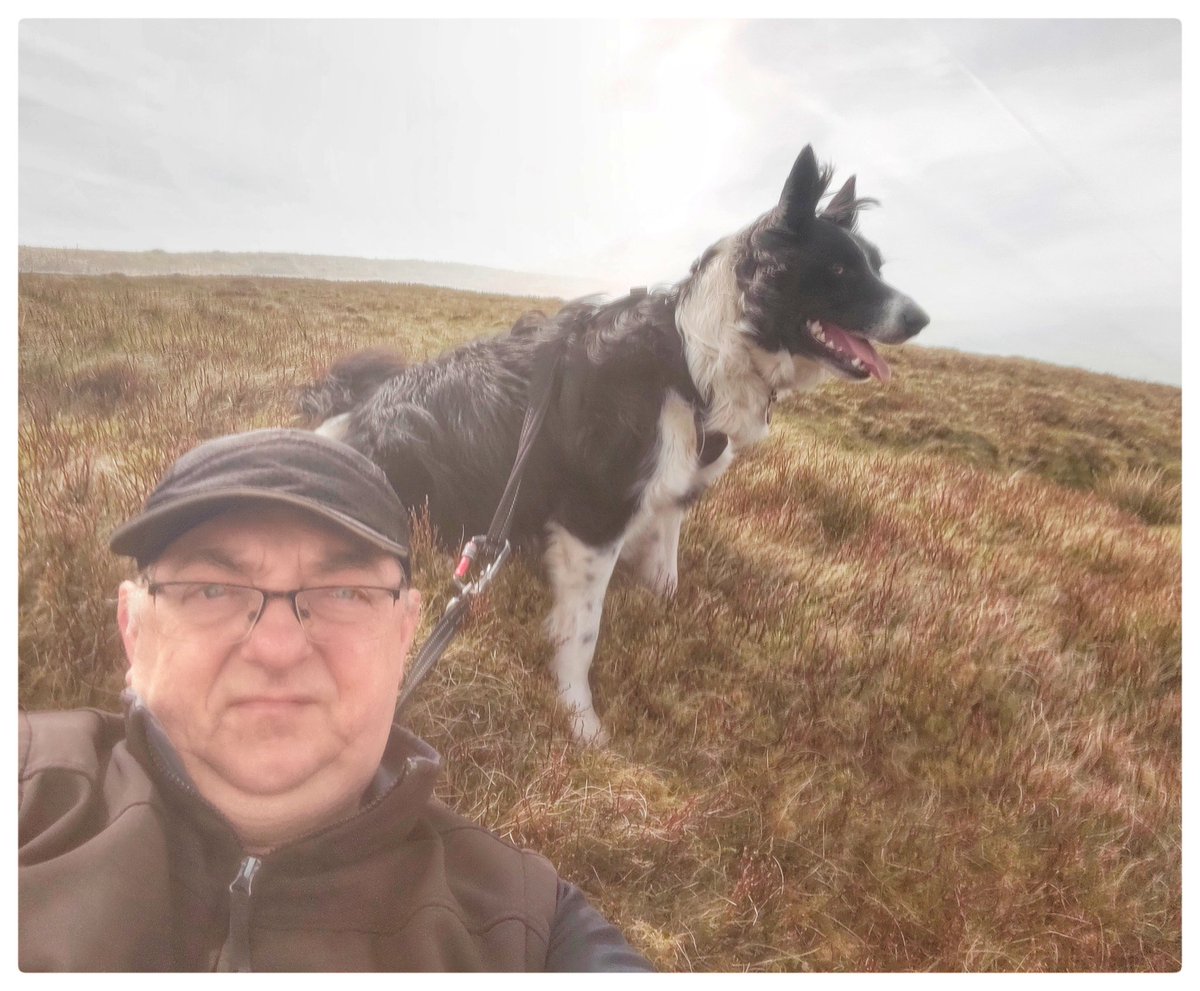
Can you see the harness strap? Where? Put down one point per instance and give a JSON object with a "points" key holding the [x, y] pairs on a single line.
{"points": [[709, 447]]}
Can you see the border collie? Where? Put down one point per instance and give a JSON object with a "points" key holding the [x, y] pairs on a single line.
{"points": [[657, 392]]}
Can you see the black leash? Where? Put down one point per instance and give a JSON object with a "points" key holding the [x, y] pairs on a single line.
{"points": [[489, 551]]}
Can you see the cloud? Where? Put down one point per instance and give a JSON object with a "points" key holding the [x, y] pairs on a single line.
{"points": [[1029, 171]]}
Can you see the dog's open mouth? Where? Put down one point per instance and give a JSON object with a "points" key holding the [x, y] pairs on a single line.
{"points": [[847, 352]]}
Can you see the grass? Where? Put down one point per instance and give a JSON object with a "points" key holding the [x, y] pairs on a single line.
{"points": [[916, 705]]}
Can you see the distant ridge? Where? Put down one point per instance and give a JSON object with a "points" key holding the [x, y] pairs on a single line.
{"points": [[337, 268]]}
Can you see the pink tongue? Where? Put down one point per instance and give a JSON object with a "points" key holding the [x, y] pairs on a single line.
{"points": [[862, 350]]}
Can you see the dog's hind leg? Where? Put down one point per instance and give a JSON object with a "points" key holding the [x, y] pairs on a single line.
{"points": [[579, 575]]}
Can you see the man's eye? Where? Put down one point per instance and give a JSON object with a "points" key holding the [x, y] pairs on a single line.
{"points": [[196, 593], [346, 593]]}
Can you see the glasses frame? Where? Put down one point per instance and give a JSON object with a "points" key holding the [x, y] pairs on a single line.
{"points": [[154, 587]]}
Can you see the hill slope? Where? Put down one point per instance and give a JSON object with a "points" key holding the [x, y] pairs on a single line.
{"points": [[916, 705], [453, 275]]}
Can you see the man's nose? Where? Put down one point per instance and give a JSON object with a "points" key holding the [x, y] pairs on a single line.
{"points": [[278, 639]]}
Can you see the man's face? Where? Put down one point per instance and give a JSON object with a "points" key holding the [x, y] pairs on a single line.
{"points": [[273, 727]]}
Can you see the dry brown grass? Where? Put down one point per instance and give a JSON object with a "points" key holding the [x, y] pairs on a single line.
{"points": [[916, 705]]}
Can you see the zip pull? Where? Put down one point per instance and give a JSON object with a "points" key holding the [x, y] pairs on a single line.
{"points": [[236, 954], [244, 882]]}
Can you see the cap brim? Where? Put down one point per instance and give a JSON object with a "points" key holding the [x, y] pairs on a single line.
{"points": [[147, 535]]}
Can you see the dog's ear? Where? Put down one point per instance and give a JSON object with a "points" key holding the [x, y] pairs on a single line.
{"points": [[798, 204], [843, 208]]}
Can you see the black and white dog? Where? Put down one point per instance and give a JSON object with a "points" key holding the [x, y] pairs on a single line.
{"points": [[657, 393]]}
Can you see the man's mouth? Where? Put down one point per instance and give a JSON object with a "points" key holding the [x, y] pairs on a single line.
{"points": [[269, 703], [848, 353]]}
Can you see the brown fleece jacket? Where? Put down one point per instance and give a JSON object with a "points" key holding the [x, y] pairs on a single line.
{"points": [[123, 866]]}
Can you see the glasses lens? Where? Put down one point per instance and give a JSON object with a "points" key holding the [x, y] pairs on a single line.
{"points": [[206, 610], [344, 612]]}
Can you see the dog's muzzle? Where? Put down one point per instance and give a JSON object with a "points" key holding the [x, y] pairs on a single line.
{"points": [[904, 319]]}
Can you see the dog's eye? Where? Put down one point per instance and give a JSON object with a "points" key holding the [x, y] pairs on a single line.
{"points": [[837, 269]]}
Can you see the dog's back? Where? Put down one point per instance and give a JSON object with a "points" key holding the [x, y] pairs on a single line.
{"points": [[446, 431]]}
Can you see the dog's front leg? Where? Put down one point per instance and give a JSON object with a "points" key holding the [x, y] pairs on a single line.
{"points": [[579, 575], [653, 551]]}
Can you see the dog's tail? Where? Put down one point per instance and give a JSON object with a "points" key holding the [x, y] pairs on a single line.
{"points": [[364, 401], [348, 382], [529, 322]]}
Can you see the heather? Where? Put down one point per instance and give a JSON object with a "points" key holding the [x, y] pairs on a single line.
{"points": [[916, 705]]}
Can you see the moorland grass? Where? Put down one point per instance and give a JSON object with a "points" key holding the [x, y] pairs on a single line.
{"points": [[916, 705]]}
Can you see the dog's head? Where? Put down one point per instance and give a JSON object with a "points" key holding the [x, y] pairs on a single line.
{"points": [[810, 282]]}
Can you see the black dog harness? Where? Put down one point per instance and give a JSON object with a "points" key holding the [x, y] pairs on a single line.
{"points": [[709, 447]]}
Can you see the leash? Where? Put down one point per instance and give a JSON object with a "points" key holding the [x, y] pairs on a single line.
{"points": [[489, 551]]}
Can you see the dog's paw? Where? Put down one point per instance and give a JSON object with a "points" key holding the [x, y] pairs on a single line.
{"points": [[586, 729], [656, 577], [663, 584]]}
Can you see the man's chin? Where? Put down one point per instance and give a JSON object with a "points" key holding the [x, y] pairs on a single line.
{"points": [[269, 751], [266, 770], [274, 794]]}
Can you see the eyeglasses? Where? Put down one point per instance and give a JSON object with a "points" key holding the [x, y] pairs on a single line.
{"points": [[222, 614]]}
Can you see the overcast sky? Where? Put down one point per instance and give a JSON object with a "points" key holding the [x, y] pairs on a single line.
{"points": [[1029, 171]]}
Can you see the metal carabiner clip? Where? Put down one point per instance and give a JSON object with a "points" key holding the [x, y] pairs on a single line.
{"points": [[470, 552]]}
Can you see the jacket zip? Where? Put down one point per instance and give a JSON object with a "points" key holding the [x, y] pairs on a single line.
{"points": [[238, 943], [235, 954]]}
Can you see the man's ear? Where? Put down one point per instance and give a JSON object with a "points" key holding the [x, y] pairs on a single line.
{"points": [[412, 605], [131, 601]]}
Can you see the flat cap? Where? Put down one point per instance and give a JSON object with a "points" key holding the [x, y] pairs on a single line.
{"points": [[295, 467]]}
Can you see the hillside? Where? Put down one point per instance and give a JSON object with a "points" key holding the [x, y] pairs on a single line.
{"points": [[473, 278], [916, 706]]}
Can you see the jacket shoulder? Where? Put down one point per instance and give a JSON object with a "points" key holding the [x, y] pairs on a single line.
{"points": [[93, 877], [564, 932], [75, 777], [77, 741], [497, 883]]}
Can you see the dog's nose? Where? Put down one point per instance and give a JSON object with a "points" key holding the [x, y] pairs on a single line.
{"points": [[913, 318]]}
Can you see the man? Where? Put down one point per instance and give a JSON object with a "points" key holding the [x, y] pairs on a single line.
{"points": [[256, 808]]}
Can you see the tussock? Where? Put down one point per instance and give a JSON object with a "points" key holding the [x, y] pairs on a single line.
{"points": [[915, 707]]}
